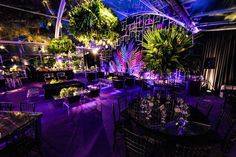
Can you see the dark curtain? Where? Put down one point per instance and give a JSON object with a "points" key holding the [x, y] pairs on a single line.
{"points": [[220, 45]]}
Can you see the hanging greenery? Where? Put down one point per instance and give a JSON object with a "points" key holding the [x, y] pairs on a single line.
{"points": [[61, 45], [165, 48], [26, 33], [92, 21]]}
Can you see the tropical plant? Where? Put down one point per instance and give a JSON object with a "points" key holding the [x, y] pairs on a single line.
{"points": [[129, 59], [61, 45], [92, 21], [68, 92], [164, 49]]}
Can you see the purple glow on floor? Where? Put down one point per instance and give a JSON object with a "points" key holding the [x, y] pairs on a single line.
{"points": [[86, 130]]}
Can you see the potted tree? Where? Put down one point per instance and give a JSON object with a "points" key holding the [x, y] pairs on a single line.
{"points": [[164, 49]]}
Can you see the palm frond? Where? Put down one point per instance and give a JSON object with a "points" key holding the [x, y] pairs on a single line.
{"points": [[164, 47]]}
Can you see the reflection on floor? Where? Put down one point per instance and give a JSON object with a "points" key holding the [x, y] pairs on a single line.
{"points": [[85, 130]]}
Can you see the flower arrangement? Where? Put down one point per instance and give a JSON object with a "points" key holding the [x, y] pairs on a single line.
{"points": [[64, 93], [181, 112], [54, 81], [163, 114], [68, 92], [181, 108]]}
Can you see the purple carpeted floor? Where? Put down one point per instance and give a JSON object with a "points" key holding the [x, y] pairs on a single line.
{"points": [[86, 130]]}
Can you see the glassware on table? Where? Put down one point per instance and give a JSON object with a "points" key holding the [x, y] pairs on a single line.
{"points": [[143, 105]]}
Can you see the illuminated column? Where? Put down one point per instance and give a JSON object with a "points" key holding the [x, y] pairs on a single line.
{"points": [[59, 17]]}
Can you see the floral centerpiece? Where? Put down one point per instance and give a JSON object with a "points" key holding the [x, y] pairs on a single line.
{"points": [[54, 81], [68, 92], [181, 112]]}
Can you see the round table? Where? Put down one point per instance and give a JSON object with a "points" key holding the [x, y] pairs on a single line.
{"points": [[197, 130]]}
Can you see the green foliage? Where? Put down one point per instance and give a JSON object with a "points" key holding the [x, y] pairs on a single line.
{"points": [[68, 92], [164, 49], [49, 61], [91, 20], [61, 45], [64, 93], [76, 63], [54, 81], [12, 31]]}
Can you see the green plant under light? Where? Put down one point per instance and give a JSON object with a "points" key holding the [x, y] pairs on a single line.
{"points": [[61, 45], [92, 21], [165, 48]]}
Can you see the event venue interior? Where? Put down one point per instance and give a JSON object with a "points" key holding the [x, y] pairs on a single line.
{"points": [[117, 78]]}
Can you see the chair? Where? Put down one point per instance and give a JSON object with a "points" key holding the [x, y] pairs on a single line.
{"points": [[26, 140], [170, 110], [32, 93], [23, 142], [226, 129], [230, 100], [193, 150], [206, 108], [117, 123], [61, 76], [122, 103], [8, 83], [139, 146], [16, 80], [6, 106], [48, 77], [27, 106]]}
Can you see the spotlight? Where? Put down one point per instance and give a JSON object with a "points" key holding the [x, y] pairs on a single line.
{"points": [[2, 47], [95, 51], [25, 62]]}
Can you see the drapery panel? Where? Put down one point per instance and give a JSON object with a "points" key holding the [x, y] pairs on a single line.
{"points": [[220, 45]]}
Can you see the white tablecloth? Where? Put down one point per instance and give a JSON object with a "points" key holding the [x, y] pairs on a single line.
{"points": [[226, 87]]}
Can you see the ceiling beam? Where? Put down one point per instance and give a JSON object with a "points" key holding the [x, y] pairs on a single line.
{"points": [[178, 8], [187, 1], [59, 18], [215, 12], [158, 12], [218, 23]]}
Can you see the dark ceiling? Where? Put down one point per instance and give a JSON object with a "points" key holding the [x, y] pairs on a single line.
{"points": [[201, 14]]}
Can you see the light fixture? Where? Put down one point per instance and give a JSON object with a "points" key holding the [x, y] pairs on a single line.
{"points": [[95, 51], [2, 47], [25, 62], [43, 49]]}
